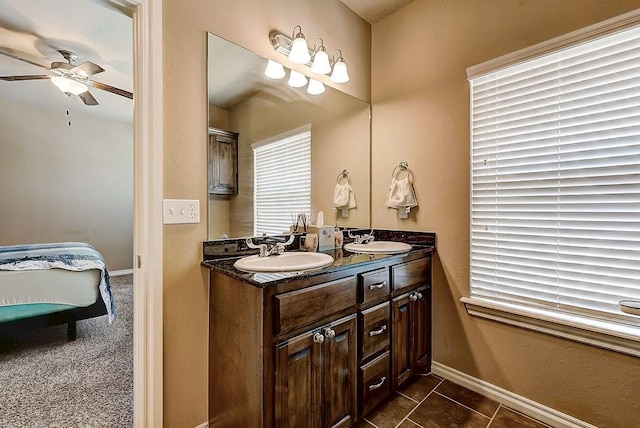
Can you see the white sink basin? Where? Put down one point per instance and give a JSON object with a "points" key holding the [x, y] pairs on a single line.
{"points": [[288, 262], [378, 247]]}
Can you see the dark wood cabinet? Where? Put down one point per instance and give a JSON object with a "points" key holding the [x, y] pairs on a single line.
{"points": [[316, 377], [317, 351], [411, 325], [223, 162]]}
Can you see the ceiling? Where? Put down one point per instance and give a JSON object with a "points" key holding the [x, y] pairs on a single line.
{"points": [[96, 31], [374, 10]]}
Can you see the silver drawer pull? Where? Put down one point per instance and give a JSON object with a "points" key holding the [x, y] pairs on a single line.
{"points": [[378, 285], [379, 384], [378, 331]]}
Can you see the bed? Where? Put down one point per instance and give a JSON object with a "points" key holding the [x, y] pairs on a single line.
{"points": [[50, 284]]}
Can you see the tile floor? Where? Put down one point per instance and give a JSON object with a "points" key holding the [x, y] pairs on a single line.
{"points": [[430, 401]]}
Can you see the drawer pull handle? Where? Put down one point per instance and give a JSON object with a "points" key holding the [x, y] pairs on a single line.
{"points": [[379, 384], [378, 331], [378, 285]]}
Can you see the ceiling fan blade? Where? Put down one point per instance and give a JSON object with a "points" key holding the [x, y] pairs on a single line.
{"points": [[9, 54], [88, 99], [30, 77], [112, 89], [87, 69]]}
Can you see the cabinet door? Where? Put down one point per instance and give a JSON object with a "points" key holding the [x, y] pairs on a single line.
{"points": [[421, 319], [401, 327], [223, 162], [298, 381], [340, 373]]}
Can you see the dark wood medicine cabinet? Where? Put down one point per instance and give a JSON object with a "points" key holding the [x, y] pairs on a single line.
{"points": [[223, 162]]}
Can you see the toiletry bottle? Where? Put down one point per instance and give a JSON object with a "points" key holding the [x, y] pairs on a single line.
{"points": [[338, 237]]}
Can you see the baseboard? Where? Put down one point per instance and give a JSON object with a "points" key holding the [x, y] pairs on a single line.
{"points": [[203, 425], [120, 273], [521, 404]]}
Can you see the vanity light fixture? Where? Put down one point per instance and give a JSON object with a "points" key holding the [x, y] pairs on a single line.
{"points": [[340, 74], [297, 79], [293, 49], [274, 70], [320, 59], [315, 87], [69, 86], [299, 50]]}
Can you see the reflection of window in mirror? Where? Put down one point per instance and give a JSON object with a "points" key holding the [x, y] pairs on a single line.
{"points": [[282, 180]]}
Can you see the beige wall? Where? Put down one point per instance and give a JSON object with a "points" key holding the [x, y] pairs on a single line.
{"points": [[218, 205], [247, 23], [420, 99], [66, 183]]}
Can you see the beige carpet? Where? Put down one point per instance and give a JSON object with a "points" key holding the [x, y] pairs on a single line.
{"points": [[46, 381]]}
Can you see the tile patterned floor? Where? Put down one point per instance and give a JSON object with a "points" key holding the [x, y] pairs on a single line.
{"points": [[430, 401]]}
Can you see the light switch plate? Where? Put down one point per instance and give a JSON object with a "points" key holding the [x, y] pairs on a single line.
{"points": [[175, 211]]}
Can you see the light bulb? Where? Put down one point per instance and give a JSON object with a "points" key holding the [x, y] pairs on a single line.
{"points": [[321, 62], [297, 79], [340, 74], [274, 70], [299, 50], [69, 86], [315, 87]]}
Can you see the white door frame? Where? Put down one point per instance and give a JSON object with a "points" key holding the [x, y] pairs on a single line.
{"points": [[147, 216]]}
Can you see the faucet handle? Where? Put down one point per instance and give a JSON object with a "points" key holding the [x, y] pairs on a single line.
{"points": [[261, 247]]}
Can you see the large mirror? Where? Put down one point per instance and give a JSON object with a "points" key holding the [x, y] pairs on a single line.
{"points": [[243, 101]]}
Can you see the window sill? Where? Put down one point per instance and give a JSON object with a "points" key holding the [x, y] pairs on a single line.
{"points": [[608, 335]]}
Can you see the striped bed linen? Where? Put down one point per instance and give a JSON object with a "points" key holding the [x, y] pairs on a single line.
{"points": [[72, 256]]}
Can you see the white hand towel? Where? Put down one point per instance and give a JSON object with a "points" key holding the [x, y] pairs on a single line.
{"points": [[401, 194], [343, 196]]}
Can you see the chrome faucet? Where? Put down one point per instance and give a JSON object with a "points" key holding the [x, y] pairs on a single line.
{"points": [[277, 249], [362, 239]]}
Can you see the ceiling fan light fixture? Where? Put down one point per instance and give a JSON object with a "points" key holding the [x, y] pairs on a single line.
{"points": [[69, 86]]}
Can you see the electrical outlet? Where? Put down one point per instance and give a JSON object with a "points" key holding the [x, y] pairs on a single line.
{"points": [[176, 211]]}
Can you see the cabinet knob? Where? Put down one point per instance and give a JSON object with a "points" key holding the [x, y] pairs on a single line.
{"points": [[329, 332], [318, 338], [413, 297], [419, 295]]}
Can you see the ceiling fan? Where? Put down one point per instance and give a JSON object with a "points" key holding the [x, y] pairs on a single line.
{"points": [[69, 78]]}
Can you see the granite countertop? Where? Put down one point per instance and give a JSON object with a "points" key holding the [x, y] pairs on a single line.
{"points": [[342, 260], [220, 255]]}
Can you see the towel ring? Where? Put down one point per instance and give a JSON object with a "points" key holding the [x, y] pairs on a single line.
{"points": [[344, 174], [402, 166]]}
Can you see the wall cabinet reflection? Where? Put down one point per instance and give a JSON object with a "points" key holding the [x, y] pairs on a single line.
{"points": [[223, 162]]}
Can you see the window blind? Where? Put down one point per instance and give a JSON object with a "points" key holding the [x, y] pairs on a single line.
{"points": [[555, 179], [282, 186]]}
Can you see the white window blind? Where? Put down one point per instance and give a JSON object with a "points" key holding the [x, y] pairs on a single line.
{"points": [[555, 179], [282, 174]]}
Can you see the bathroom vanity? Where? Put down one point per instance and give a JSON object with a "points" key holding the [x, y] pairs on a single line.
{"points": [[320, 348]]}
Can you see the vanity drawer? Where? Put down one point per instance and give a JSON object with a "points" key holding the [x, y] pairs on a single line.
{"points": [[406, 275], [375, 383], [375, 330], [311, 304], [374, 285]]}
